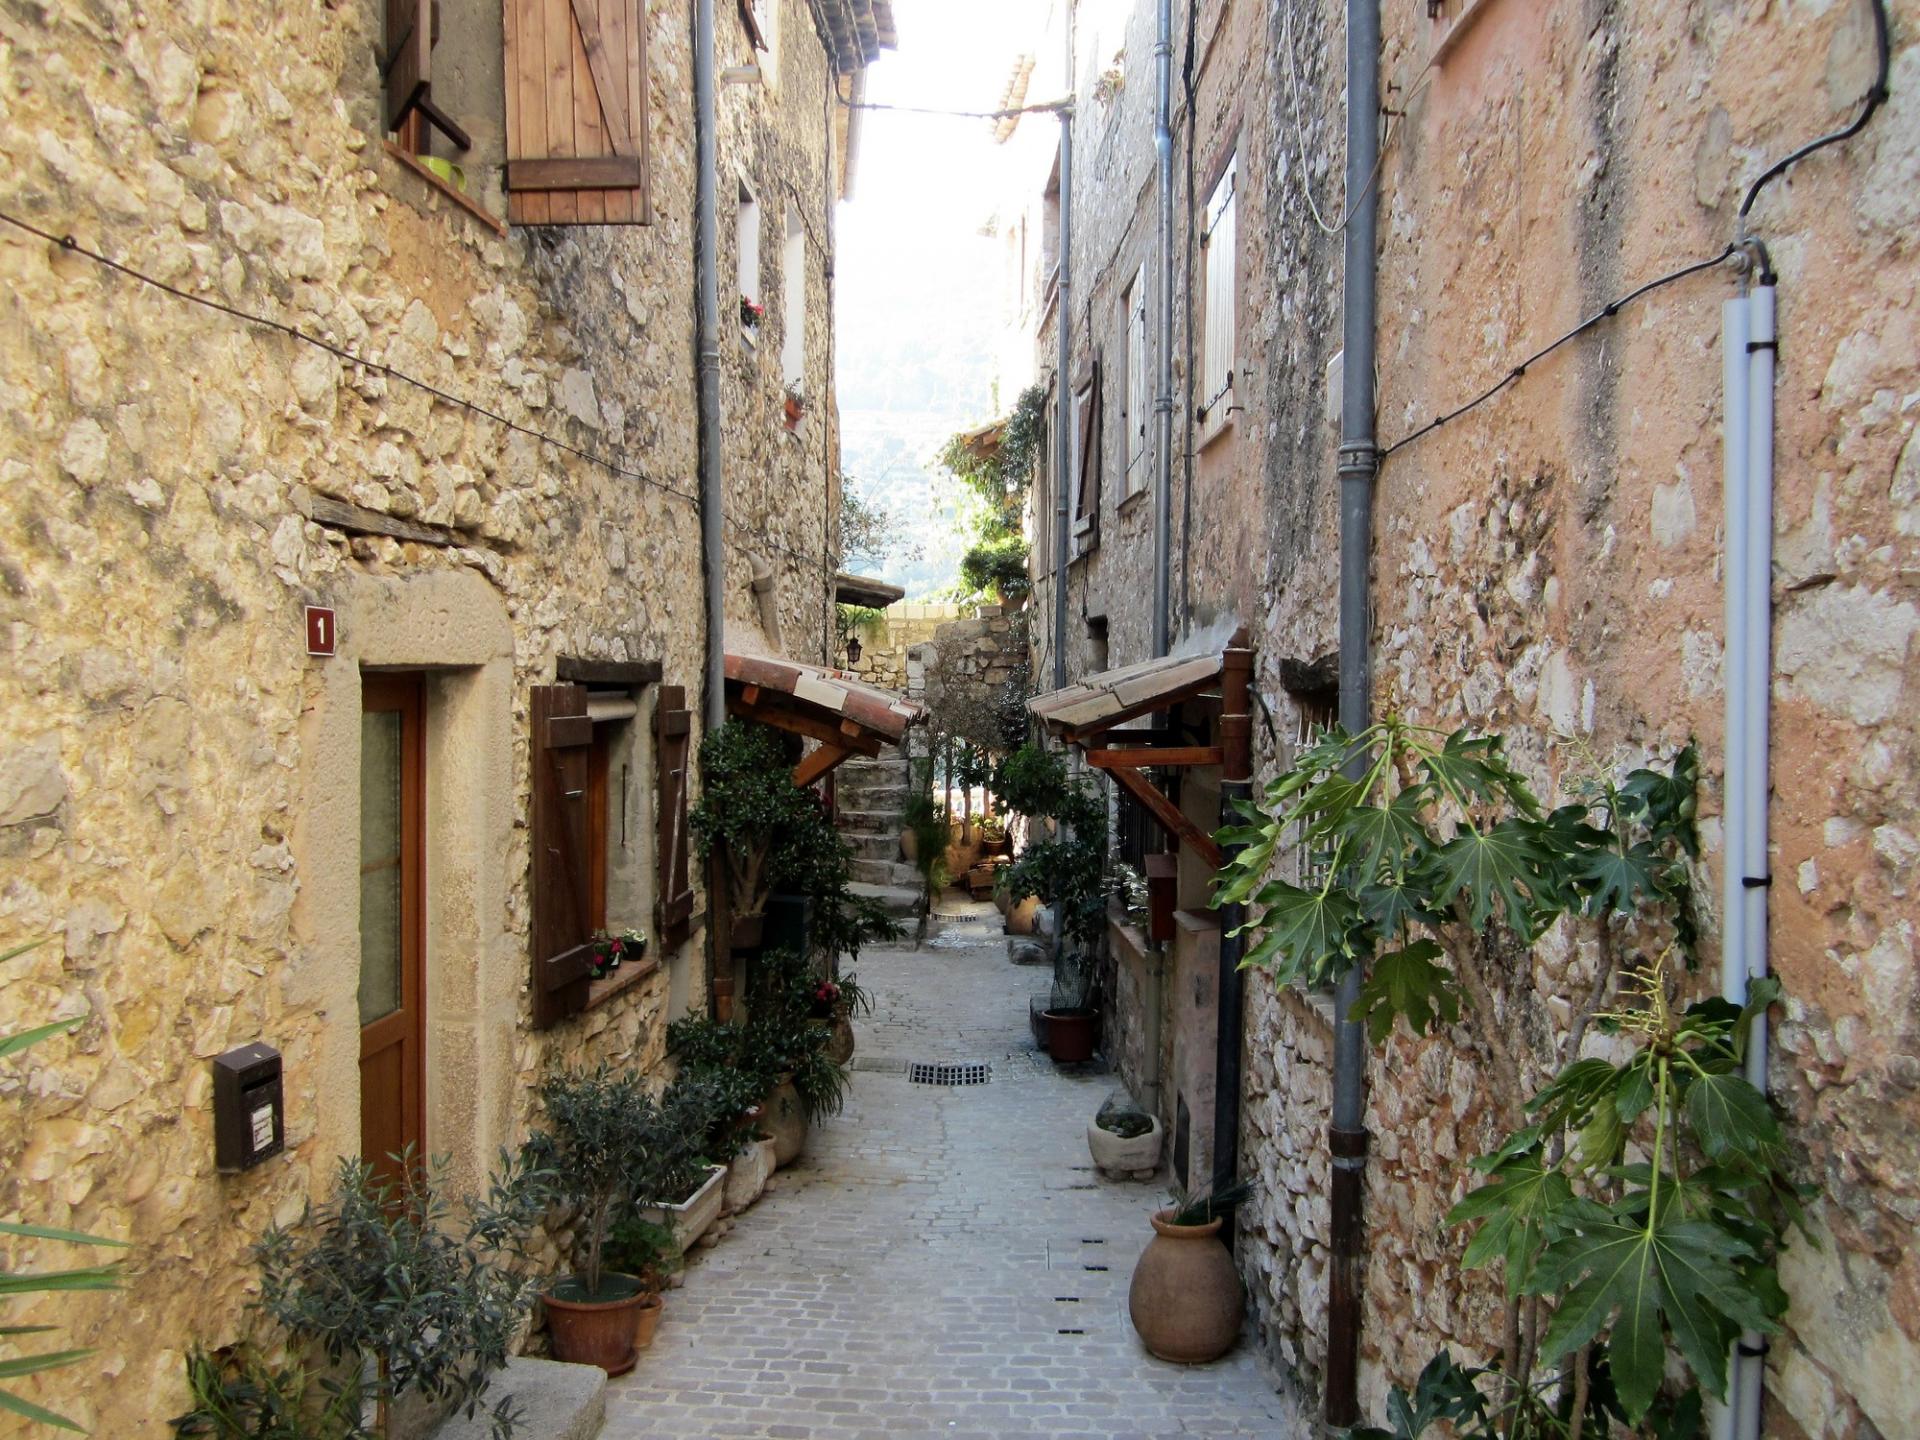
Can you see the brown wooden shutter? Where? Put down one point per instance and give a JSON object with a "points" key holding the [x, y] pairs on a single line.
{"points": [[751, 20], [673, 757], [1086, 507], [561, 745], [577, 147], [411, 31]]}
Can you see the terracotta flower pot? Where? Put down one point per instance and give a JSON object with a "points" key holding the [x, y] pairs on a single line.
{"points": [[1186, 1299], [649, 1325], [1070, 1034], [840, 1046], [598, 1332], [786, 1122], [909, 845]]}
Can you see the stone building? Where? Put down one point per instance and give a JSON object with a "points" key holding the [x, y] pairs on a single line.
{"points": [[1547, 565], [289, 619]]}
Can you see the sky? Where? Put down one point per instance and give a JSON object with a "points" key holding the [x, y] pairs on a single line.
{"points": [[917, 285]]}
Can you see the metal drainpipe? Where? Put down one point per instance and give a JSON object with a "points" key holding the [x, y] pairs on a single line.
{"points": [[1359, 464], [707, 287], [1163, 343], [1063, 408], [1236, 784]]}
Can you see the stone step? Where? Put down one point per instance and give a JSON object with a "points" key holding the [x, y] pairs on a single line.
{"points": [[885, 873], [900, 901], [556, 1402], [874, 797], [885, 846], [869, 821]]}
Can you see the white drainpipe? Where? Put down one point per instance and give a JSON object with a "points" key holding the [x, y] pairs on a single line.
{"points": [[1748, 343]]}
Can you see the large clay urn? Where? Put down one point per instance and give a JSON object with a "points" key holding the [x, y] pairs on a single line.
{"points": [[785, 1122], [1186, 1300]]}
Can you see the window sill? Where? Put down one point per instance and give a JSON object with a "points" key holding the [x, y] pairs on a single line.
{"points": [[1131, 501], [1211, 430], [459, 197], [600, 992]]}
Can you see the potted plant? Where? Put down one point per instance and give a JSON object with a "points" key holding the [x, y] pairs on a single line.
{"points": [[749, 812], [611, 951], [1186, 1299], [649, 1251], [1071, 1018], [993, 834], [687, 1185], [752, 312], [796, 407], [601, 1143], [1124, 1140]]}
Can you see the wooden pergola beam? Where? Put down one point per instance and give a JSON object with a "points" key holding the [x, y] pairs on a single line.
{"points": [[1171, 755], [1168, 814], [818, 763]]}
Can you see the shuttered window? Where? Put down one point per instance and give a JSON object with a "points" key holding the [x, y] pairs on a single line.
{"points": [[1136, 401], [673, 761], [1086, 462], [412, 28], [577, 133], [1219, 259], [561, 746]]}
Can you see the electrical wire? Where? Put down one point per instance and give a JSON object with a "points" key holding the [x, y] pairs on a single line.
{"points": [[1876, 97], [1049, 107], [1604, 312], [73, 247]]}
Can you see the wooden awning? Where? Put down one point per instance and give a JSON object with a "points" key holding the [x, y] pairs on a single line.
{"points": [[1088, 714], [847, 716], [850, 589]]}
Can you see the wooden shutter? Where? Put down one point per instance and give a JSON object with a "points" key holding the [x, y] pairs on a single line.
{"points": [[673, 756], [1137, 403], [577, 148], [561, 746], [1217, 370], [748, 18], [1086, 505], [411, 26]]}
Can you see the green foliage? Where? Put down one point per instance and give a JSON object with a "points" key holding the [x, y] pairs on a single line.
{"points": [[870, 534], [763, 825], [849, 620], [1068, 869], [643, 1249], [997, 566], [1000, 474], [604, 1143], [381, 1273], [1209, 1205], [244, 1395], [40, 1282]]}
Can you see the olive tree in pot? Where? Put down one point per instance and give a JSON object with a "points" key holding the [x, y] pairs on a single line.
{"points": [[748, 801], [602, 1145]]}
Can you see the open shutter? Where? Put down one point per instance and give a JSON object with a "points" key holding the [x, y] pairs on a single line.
{"points": [[1221, 259], [673, 753], [749, 18], [1137, 403], [409, 67], [577, 151], [562, 746], [1086, 505]]}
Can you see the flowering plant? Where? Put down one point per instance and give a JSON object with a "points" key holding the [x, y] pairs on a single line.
{"points": [[826, 1000], [751, 312], [612, 951]]}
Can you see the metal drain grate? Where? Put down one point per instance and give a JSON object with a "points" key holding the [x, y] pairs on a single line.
{"points": [[961, 1072]]}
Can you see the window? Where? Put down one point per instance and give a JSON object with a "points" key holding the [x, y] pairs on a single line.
{"points": [[793, 305], [1133, 419], [1219, 254], [1049, 275], [577, 133], [761, 19], [1085, 462], [413, 29], [594, 853], [746, 234]]}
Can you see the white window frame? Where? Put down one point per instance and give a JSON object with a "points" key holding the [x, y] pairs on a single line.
{"points": [[746, 234], [793, 302], [1216, 402]]}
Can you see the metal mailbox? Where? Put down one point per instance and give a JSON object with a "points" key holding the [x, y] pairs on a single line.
{"points": [[249, 1120]]}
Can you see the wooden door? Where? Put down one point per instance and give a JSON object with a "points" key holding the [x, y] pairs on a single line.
{"points": [[393, 924]]}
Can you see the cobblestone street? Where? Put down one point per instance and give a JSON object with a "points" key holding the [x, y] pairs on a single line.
{"points": [[941, 1262]]}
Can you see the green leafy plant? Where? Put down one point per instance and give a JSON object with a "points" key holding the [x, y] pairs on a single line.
{"points": [[1427, 855], [242, 1394], [997, 567], [763, 825], [382, 1273], [603, 1143], [45, 1282], [1209, 1205], [643, 1249]]}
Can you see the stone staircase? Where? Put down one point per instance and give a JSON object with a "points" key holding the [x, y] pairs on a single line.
{"points": [[872, 794]]}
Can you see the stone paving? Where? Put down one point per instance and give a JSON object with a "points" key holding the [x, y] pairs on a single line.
{"points": [[941, 1262]]}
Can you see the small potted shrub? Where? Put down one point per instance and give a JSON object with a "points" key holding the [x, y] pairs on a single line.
{"points": [[1124, 1140], [649, 1252], [611, 951], [1072, 1019], [601, 1143], [690, 1184], [1186, 1299]]}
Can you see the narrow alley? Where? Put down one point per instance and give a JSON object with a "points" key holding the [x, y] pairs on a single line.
{"points": [[942, 1261]]}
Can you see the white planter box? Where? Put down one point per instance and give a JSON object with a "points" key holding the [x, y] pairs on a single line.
{"points": [[690, 1218], [747, 1176], [1117, 1155]]}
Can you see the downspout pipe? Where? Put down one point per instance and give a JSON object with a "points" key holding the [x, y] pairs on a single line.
{"points": [[1748, 367], [1163, 337], [707, 325], [1063, 400], [1359, 464]]}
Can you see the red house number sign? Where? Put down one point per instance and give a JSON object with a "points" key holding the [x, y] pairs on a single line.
{"points": [[320, 630]]}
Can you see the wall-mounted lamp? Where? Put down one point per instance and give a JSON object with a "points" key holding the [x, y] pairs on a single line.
{"points": [[853, 650]]}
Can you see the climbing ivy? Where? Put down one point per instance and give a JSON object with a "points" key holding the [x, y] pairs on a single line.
{"points": [[1636, 1204]]}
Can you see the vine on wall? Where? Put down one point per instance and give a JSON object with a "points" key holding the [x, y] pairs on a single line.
{"points": [[1636, 1205]]}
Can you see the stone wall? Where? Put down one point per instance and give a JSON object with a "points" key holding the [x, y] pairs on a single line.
{"points": [[975, 667], [172, 764], [1550, 566], [887, 643]]}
